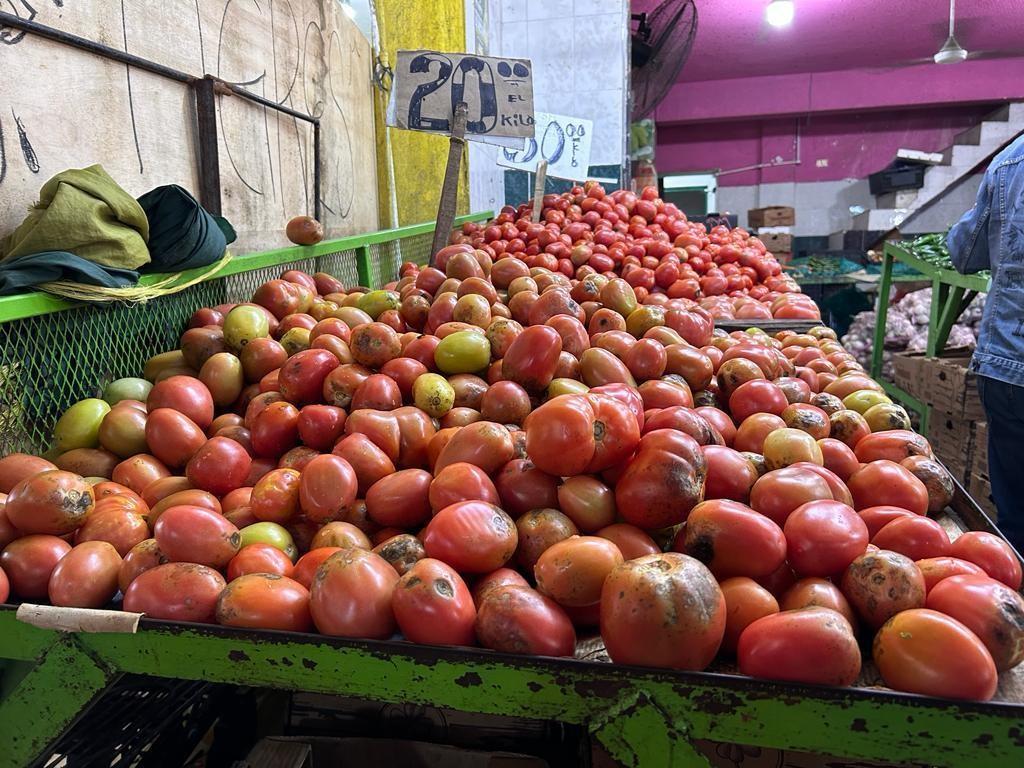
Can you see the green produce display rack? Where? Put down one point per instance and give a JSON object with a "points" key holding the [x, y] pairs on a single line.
{"points": [[951, 294], [52, 353]]}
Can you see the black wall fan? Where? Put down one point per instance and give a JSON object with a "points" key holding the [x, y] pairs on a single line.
{"points": [[661, 42]]}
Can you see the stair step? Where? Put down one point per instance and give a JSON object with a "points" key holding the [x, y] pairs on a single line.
{"points": [[996, 134], [965, 157], [1016, 114]]}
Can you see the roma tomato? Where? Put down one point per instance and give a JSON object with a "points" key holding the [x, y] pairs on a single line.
{"points": [[188, 534], [777, 493], [663, 482], [732, 539], [400, 500], [927, 652], [86, 577], [494, 579], [885, 482], [432, 605], [368, 461], [917, 537], [275, 497], [16, 467], [990, 609], [351, 595], [484, 444], [588, 502], [402, 551], [186, 394], [120, 526], [220, 466], [935, 569], [259, 558], [307, 565], [662, 610], [809, 645], [538, 530], [881, 584], [176, 592], [471, 536], [820, 593], [532, 357], [575, 434], [731, 475], [572, 571], [460, 482], [823, 538], [746, 601], [517, 619], [523, 487], [327, 488], [29, 561], [53, 502], [631, 541], [992, 553], [265, 601]]}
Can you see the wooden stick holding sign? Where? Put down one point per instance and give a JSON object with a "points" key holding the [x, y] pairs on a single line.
{"points": [[538, 188], [450, 187]]}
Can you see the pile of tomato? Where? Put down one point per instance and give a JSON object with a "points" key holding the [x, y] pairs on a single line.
{"points": [[653, 246], [490, 451]]}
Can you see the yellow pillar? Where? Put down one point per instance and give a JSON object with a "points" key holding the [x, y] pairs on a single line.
{"points": [[418, 159]]}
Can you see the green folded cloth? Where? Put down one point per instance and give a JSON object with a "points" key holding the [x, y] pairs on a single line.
{"points": [[21, 273], [85, 212], [182, 234]]}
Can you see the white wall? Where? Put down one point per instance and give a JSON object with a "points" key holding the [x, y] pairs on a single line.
{"points": [[822, 207], [948, 210]]}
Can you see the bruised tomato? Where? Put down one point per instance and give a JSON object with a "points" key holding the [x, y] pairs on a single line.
{"points": [[572, 571], [351, 595], [402, 551], [732, 540], [990, 609], [327, 487], [517, 619], [141, 558], [538, 530], [307, 565], [433, 605], [264, 601], [52, 502], [663, 482], [808, 645], [927, 652], [471, 536], [662, 610], [881, 584], [176, 592]]}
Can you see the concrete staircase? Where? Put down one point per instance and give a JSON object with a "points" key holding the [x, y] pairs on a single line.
{"points": [[970, 149]]}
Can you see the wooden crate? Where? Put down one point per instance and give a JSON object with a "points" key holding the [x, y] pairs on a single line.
{"points": [[772, 216], [777, 243]]}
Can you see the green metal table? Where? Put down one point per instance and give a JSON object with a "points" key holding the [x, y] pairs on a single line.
{"points": [[53, 353], [951, 294]]}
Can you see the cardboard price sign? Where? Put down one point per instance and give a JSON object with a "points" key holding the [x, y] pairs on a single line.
{"points": [[562, 141], [497, 91]]}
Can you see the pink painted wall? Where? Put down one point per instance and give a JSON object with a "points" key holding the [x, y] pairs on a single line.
{"points": [[855, 144]]}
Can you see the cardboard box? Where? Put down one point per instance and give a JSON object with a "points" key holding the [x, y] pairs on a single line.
{"points": [[980, 463], [772, 216], [946, 382], [980, 489], [762, 231], [777, 243], [952, 439], [908, 374]]}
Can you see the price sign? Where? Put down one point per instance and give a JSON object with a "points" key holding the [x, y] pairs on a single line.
{"points": [[428, 85], [564, 142]]}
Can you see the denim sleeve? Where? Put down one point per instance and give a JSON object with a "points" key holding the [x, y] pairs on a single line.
{"points": [[968, 238]]}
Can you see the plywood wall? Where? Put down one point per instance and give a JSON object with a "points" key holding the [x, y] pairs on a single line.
{"points": [[63, 108]]}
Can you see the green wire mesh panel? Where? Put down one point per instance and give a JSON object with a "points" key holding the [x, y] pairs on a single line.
{"points": [[50, 361]]}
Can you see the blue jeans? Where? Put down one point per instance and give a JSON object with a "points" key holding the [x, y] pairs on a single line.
{"points": [[1004, 407]]}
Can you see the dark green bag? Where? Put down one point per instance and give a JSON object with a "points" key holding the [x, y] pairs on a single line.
{"points": [[182, 235]]}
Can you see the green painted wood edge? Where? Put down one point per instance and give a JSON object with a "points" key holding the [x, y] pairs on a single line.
{"points": [[947, 276], [856, 723], [24, 305]]}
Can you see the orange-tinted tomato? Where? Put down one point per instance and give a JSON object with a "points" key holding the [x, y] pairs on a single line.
{"points": [[935, 569], [259, 558], [809, 645], [816, 592], [572, 571], [351, 595], [885, 482], [990, 609], [176, 592], [732, 539], [745, 602], [631, 541], [265, 601], [432, 605], [881, 584], [471, 536]]}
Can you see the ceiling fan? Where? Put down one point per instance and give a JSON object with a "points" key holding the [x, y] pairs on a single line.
{"points": [[952, 52]]}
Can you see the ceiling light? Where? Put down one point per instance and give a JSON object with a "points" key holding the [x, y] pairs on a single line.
{"points": [[780, 13]]}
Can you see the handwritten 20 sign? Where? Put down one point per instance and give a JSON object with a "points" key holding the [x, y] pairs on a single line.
{"points": [[497, 91], [561, 140]]}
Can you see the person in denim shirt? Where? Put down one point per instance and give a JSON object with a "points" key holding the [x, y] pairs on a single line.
{"points": [[991, 236]]}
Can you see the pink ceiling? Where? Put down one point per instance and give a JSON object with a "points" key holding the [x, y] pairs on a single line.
{"points": [[734, 41]]}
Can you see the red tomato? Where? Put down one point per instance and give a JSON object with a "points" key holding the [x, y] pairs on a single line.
{"points": [[809, 645], [471, 536], [187, 534], [275, 429], [924, 651], [732, 539], [935, 569], [307, 565], [494, 579], [302, 375], [532, 357], [663, 482], [990, 609], [175, 592], [820, 593], [745, 602], [887, 483], [484, 444], [400, 500], [777, 493], [992, 553], [259, 558], [186, 394], [327, 488], [662, 610], [516, 619], [751, 434], [351, 595], [119, 526], [756, 396], [838, 458], [29, 561], [275, 497], [574, 434], [631, 541], [522, 487], [265, 601], [916, 536], [823, 538], [54, 502], [432, 605], [588, 502], [368, 461], [16, 467], [220, 466], [86, 577], [731, 475], [461, 482]]}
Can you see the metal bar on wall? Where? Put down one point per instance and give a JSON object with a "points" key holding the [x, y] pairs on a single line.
{"points": [[209, 152]]}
